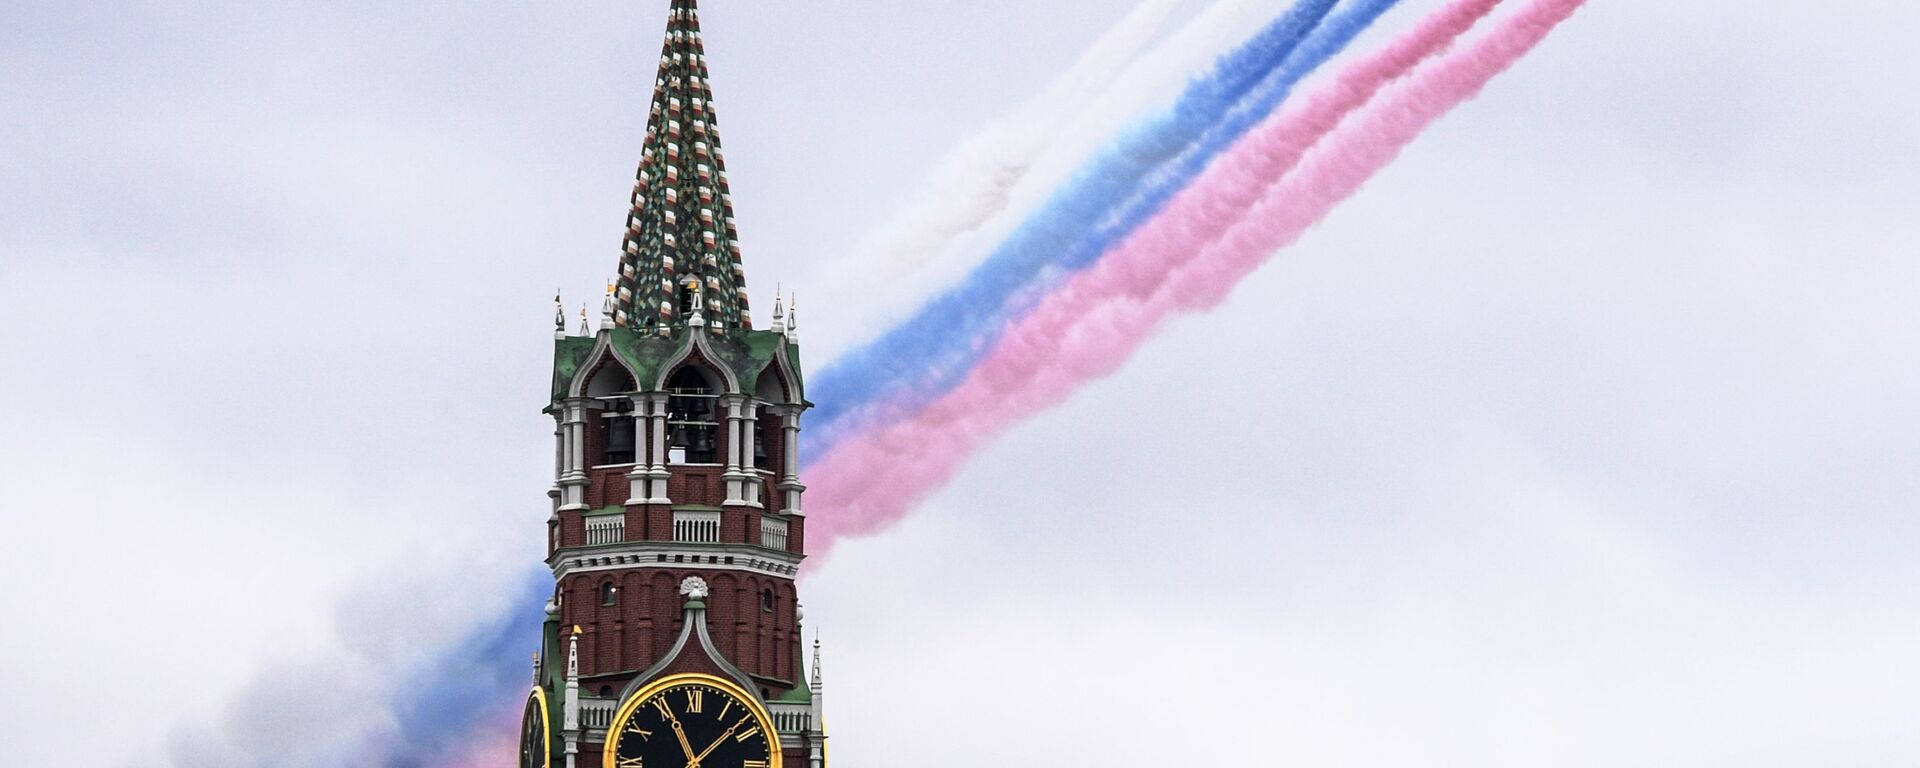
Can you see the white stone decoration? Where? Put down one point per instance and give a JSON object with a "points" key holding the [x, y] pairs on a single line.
{"points": [[694, 587]]}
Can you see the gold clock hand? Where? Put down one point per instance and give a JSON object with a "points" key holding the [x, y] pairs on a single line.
{"points": [[679, 731], [722, 740]]}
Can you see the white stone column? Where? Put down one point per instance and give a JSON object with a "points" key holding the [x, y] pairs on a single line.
{"points": [[790, 487], [736, 475], [559, 446], [655, 405], [573, 475], [749, 438], [559, 463], [639, 480]]}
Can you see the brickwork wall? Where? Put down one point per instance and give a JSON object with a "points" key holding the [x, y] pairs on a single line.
{"points": [[640, 627]]}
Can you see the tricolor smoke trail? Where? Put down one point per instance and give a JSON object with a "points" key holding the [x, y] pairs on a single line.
{"points": [[930, 350], [1092, 324], [971, 185]]}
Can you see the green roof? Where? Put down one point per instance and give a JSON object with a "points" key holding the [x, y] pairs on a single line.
{"points": [[746, 355], [569, 354], [800, 695]]}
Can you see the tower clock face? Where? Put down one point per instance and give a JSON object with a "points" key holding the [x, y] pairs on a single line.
{"points": [[692, 721], [534, 749]]}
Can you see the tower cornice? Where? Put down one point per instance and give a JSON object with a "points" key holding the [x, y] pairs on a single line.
{"points": [[647, 554]]}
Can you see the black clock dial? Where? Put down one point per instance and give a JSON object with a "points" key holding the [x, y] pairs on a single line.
{"points": [[693, 725], [533, 735]]}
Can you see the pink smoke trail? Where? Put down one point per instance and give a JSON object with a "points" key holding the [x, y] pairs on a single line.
{"points": [[1087, 328], [491, 743]]}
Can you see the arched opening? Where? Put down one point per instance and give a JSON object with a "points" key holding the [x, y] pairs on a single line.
{"points": [[615, 432], [610, 380], [622, 438], [609, 594], [693, 424], [769, 388], [770, 434], [770, 444]]}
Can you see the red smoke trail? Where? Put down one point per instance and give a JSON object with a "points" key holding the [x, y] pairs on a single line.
{"points": [[1087, 328]]}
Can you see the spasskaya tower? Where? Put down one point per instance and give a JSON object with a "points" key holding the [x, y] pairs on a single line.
{"points": [[673, 639]]}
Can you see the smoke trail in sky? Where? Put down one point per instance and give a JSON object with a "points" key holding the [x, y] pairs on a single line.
{"points": [[1142, 88], [401, 685], [487, 674], [1088, 328], [925, 355], [972, 183]]}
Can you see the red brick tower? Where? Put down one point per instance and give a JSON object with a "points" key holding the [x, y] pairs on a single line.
{"points": [[676, 529]]}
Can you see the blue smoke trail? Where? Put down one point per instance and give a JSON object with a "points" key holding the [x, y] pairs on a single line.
{"points": [[1110, 197], [445, 703]]}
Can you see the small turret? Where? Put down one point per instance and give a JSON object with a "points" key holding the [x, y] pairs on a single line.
{"points": [[571, 725], [698, 318], [818, 756], [793, 319]]}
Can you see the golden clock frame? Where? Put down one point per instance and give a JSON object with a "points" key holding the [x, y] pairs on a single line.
{"points": [[546, 728], [775, 755]]}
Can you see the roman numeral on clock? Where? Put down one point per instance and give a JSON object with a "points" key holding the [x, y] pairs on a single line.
{"points": [[661, 704], [754, 764], [630, 762], [747, 734], [634, 729], [695, 698]]}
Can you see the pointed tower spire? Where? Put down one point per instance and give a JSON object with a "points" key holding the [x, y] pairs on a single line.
{"points": [[779, 312], [818, 685], [681, 224], [559, 317], [793, 318], [606, 310], [816, 710]]}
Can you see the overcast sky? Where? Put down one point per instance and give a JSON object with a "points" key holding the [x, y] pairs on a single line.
{"points": [[1587, 434]]}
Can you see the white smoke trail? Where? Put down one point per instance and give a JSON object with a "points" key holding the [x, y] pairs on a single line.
{"points": [[972, 182], [987, 184]]}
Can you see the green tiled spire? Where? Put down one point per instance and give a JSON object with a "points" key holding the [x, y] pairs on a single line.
{"points": [[681, 230]]}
